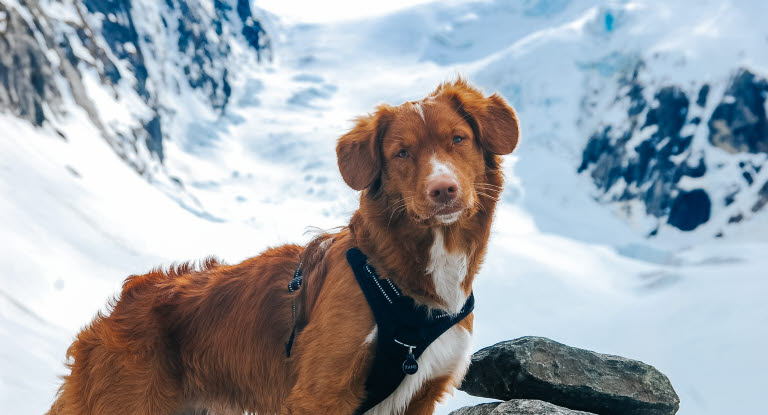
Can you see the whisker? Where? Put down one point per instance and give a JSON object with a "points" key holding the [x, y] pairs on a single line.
{"points": [[488, 185], [495, 199], [489, 190]]}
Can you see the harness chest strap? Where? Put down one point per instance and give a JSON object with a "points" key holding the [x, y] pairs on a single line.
{"points": [[404, 329]]}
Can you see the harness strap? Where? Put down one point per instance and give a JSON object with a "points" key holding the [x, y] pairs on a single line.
{"points": [[404, 330], [293, 286]]}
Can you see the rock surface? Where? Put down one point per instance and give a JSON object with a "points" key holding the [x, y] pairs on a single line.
{"points": [[482, 409], [517, 407], [739, 123], [147, 57], [26, 74], [539, 368], [651, 162]]}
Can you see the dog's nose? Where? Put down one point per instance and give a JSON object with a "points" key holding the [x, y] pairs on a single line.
{"points": [[442, 189]]}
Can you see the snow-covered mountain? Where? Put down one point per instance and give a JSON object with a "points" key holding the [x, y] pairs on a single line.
{"points": [[644, 138], [688, 158], [672, 99], [138, 70]]}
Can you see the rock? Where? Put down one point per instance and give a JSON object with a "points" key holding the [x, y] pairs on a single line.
{"points": [[517, 407], [703, 93], [539, 368], [690, 209], [533, 407], [643, 161], [669, 117], [482, 409], [26, 73], [739, 123], [762, 198], [144, 47], [625, 168]]}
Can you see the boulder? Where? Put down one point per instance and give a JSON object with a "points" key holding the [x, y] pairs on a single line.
{"points": [[517, 407], [539, 368], [482, 409]]}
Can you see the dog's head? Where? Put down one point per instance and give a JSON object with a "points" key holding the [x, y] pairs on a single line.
{"points": [[430, 158]]}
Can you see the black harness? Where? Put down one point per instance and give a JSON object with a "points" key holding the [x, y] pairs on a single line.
{"points": [[404, 329]]}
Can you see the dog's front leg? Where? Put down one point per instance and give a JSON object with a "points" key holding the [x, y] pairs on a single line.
{"points": [[332, 355], [330, 381], [423, 403]]}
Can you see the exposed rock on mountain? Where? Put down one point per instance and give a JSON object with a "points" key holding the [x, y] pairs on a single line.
{"points": [[539, 368], [672, 155], [126, 63], [26, 74], [738, 124]]}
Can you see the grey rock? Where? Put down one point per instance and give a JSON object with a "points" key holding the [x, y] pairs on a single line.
{"points": [[762, 198], [648, 170], [642, 161], [517, 407], [482, 409], [539, 368], [739, 123], [26, 74], [533, 407], [42, 57]]}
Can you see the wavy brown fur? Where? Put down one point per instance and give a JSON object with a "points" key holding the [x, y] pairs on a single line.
{"points": [[211, 339]]}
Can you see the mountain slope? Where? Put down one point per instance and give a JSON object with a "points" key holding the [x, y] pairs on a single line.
{"points": [[135, 67]]}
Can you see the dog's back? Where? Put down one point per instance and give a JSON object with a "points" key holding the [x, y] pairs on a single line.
{"points": [[184, 336], [430, 177]]}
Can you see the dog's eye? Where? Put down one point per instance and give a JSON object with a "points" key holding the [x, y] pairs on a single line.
{"points": [[457, 139], [403, 154]]}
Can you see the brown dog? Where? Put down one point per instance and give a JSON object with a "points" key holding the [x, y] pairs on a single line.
{"points": [[215, 337]]}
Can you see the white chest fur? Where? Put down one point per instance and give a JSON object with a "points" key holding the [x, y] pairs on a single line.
{"points": [[448, 355], [448, 270]]}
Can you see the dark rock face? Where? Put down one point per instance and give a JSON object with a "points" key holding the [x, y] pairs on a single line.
{"points": [[252, 30], [703, 94], [690, 209], [539, 368], [203, 64], [647, 169], [649, 156], [762, 198], [26, 74], [114, 39], [517, 407], [118, 32], [739, 122]]}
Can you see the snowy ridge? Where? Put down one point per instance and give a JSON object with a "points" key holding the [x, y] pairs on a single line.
{"points": [[140, 70]]}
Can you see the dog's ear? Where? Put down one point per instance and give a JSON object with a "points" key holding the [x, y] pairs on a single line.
{"points": [[492, 119], [358, 151]]}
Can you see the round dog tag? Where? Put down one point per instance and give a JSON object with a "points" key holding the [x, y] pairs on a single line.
{"points": [[410, 365]]}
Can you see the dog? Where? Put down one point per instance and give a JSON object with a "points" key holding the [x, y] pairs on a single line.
{"points": [[229, 339]]}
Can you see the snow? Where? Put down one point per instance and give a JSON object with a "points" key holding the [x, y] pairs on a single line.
{"points": [[310, 11], [76, 220]]}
